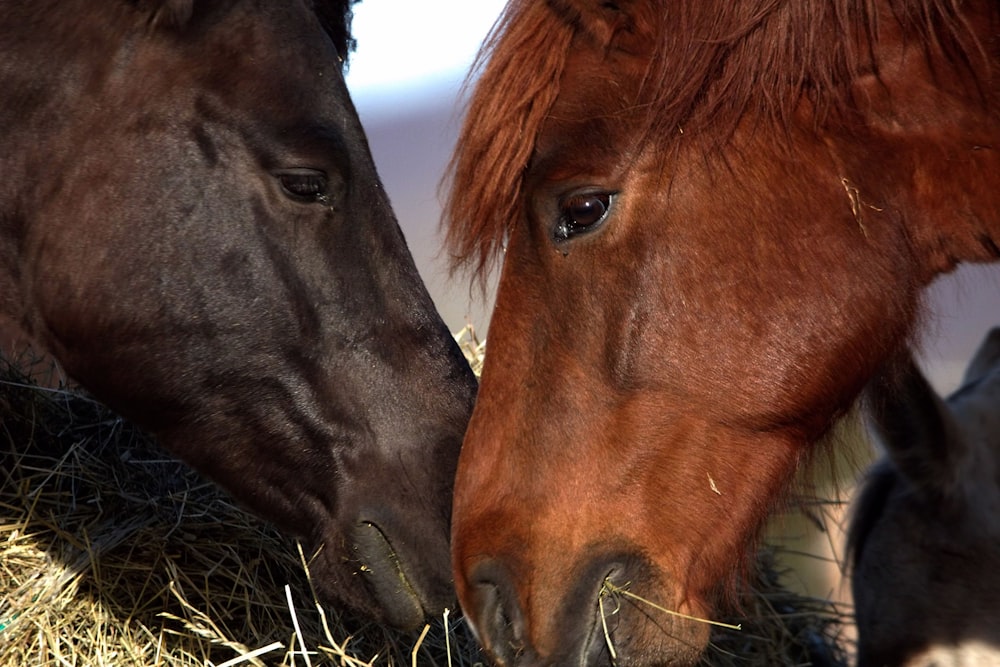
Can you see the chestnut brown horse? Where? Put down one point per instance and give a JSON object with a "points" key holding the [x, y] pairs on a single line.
{"points": [[716, 219], [925, 534], [191, 222]]}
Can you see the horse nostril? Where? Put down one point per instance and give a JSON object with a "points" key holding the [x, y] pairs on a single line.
{"points": [[587, 625], [496, 615]]}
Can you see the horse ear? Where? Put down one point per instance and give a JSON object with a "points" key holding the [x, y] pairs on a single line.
{"points": [[916, 428], [624, 25], [171, 13], [986, 360]]}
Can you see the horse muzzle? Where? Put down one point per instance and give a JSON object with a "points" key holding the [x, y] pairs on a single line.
{"points": [[384, 574], [596, 623]]}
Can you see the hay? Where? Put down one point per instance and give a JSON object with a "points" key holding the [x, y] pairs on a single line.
{"points": [[112, 553], [780, 627]]}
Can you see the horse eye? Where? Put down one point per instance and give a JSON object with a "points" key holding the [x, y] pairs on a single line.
{"points": [[582, 212], [305, 185]]}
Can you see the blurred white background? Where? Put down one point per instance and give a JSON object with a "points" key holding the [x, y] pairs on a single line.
{"points": [[406, 76]]}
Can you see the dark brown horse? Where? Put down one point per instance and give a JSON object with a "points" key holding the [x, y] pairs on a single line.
{"points": [[191, 222], [717, 219], [925, 535]]}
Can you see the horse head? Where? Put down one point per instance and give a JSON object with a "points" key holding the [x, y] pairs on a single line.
{"points": [[191, 222], [713, 222]]}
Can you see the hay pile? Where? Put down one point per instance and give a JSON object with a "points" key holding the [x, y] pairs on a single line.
{"points": [[113, 554], [779, 627]]}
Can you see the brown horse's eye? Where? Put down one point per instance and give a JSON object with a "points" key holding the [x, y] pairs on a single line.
{"points": [[582, 212], [304, 185]]}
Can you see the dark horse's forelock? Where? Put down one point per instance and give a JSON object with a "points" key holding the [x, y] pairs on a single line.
{"points": [[709, 66], [336, 16]]}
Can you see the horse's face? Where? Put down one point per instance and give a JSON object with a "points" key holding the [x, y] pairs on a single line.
{"points": [[206, 246], [672, 326]]}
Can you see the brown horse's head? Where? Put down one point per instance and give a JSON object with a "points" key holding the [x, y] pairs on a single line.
{"points": [[191, 221], [716, 219]]}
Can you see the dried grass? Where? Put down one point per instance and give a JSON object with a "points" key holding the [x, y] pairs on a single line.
{"points": [[780, 627], [112, 553]]}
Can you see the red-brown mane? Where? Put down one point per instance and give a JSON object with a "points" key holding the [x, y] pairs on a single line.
{"points": [[708, 65]]}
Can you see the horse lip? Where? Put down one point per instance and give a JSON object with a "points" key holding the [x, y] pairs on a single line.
{"points": [[385, 575]]}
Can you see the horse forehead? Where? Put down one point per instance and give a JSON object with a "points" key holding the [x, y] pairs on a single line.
{"points": [[276, 64], [242, 35], [595, 114], [284, 34]]}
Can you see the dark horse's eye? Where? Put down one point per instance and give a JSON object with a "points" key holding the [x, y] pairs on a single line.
{"points": [[582, 212], [305, 185]]}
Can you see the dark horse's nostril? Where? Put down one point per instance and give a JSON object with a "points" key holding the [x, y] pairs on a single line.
{"points": [[385, 576], [498, 620]]}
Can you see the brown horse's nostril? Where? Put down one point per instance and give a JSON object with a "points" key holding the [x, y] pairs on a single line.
{"points": [[495, 613], [591, 624], [381, 569]]}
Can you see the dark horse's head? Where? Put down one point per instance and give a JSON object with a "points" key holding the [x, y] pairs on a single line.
{"points": [[716, 220], [924, 539], [191, 221]]}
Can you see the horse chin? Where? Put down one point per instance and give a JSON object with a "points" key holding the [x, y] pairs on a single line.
{"points": [[383, 573], [637, 634], [623, 636], [372, 579]]}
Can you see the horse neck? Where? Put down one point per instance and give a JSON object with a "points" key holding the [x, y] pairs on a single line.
{"points": [[49, 55]]}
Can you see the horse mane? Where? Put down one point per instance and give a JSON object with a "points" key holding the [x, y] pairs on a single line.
{"points": [[710, 65], [519, 66]]}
